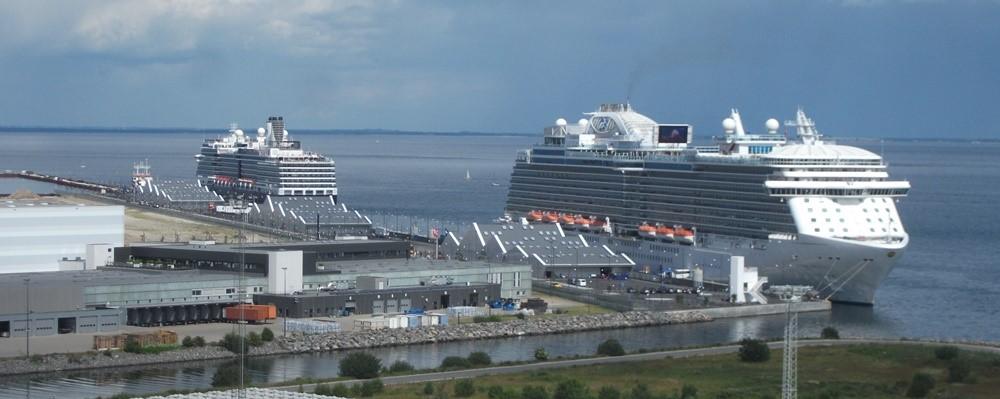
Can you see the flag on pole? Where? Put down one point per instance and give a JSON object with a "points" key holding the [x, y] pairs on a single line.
{"points": [[435, 233]]}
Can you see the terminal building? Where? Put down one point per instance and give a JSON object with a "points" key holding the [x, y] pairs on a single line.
{"points": [[50, 233], [151, 285]]}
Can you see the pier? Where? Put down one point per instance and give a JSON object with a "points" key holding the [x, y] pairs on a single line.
{"points": [[61, 181]]}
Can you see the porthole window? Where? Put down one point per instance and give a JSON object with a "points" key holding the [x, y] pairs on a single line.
{"points": [[813, 220], [824, 209], [828, 220], [816, 229], [872, 230]]}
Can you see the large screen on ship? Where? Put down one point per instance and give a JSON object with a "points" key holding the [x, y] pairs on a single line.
{"points": [[673, 134]]}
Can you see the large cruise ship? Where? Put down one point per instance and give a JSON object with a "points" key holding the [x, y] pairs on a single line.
{"points": [[803, 210], [269, 164]]}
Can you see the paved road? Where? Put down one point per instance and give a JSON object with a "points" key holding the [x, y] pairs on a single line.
{"points": [[679, 353]]}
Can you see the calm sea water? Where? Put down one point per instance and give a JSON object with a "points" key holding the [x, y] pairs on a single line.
{"points": [[945, 286]]}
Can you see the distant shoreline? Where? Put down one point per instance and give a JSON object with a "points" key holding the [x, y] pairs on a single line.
{"points": [[145, 130]]}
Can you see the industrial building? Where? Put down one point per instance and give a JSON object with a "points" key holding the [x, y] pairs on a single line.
{"points": [[50, 233], [386, 300]]}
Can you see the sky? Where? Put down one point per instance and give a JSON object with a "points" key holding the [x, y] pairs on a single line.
{"points": [[876, 68]]}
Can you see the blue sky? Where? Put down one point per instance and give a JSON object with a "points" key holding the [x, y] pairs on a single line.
{"points": [[860, 68]]}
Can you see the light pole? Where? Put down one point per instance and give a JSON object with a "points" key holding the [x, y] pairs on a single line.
{"points": [[27, 319], [284, 290]]}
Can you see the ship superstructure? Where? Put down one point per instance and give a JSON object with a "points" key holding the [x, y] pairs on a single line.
{"points": [[270, 163], [802, 210]]}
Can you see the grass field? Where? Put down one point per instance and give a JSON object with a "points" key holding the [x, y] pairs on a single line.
{"points": [[861, 371]]}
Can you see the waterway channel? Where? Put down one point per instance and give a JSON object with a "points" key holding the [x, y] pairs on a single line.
{"points": [[854, 321]]}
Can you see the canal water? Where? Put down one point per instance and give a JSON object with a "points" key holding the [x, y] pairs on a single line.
{"points": [[855, 321]]}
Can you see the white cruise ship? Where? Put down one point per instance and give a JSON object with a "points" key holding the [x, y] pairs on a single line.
{"points": [[803, 210], [269, 164]]}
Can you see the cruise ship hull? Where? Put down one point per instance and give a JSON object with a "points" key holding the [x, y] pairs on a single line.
{"points": [[840, 270]]}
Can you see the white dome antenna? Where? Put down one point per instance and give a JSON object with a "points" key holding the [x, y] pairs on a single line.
{"points": [[729, 125], [772, 126], [582, 122], [261, 132], [560, 122]]}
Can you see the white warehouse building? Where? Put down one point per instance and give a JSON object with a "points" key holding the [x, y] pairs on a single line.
{"points": [[49, 233]]}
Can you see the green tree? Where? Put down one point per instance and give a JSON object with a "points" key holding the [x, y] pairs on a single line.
{"points": [[829, 333], [534, 392], [267, 335], [340, 390], [428, 388], [609, 392], [455, 362], [233, 342], [465, 388], [571, 389], [920, 386], [199, 341], [610, 347], [187, 342], [754, 350], [946, 352], [541, 355], [360, 365], [480, 359]]}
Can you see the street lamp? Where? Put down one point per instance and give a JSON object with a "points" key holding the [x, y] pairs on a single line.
{"points": [[27, 319], [284, 290]]}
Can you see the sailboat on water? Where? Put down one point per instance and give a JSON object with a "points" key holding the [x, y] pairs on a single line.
{"points": [[467, 175]]}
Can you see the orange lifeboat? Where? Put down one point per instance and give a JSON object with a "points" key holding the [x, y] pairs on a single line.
{"points": [[596, 223], [665, 232], [535, 216], [645, 230], [583, 222], [683, 235], [567, 219], [551, 217]]}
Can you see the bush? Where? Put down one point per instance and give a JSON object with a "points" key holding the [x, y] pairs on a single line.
{"points": [[254, 339], [465, 388], [322, 389], [340, 390], [571, 389], [369, 388], [946, 352], [480, 359], [640, 391], [921, 385], [360, 365], [688, 392], [610, 347], [754, 350], [541, 354], [267, 335], [133, 347], [497, 392], [959, 371], [187, 342], [234, 342], [534, 392], [400, 366], [486, 319], [455, 362], [428, 388], [226, 376], [609, 392], [199, 341], [829, 333]]}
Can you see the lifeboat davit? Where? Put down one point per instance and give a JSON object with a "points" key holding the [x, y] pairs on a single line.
{"points": [[665, 233], [683, 235], [535, 216], [645, 230], [567, 219], [550, 217]]}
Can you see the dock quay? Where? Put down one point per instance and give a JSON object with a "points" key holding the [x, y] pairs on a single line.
{"points": [[61, 181]]}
